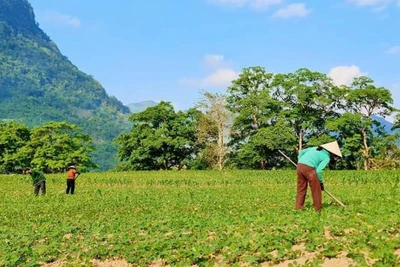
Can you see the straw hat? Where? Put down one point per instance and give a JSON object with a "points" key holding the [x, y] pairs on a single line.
{"points": [[333, 147]]}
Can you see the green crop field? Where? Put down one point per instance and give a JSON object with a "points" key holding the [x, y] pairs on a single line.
{"points": [[203, 218]]}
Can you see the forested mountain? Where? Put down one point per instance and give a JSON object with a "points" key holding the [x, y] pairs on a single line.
{"points": [[39, 84]]}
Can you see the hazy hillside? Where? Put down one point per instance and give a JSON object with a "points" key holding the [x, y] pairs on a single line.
{"points": [[141, 106], [38, 83], [387, 125]]}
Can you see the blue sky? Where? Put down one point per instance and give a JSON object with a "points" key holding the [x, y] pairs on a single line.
{"points": [[169, 50]]}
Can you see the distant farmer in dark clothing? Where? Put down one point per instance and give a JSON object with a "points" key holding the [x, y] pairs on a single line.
{"points": [[311, 162], [38, 180], [72, 174]]}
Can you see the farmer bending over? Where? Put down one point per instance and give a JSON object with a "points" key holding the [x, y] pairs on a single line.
{"points": [[311, 162], [71, 176], [38, 180]]}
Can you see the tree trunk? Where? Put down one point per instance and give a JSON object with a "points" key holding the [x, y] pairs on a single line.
{"points": [[165, 164], [220, 145], [263, 164], [366, 150], [300, 141], [255, 122]]}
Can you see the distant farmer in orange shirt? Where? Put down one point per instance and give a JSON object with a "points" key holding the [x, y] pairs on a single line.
{"points": [[72, 174]]}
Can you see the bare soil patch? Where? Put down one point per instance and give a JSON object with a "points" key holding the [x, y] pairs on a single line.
{"points": [[112, 263], [340, 261], [58, 263]]}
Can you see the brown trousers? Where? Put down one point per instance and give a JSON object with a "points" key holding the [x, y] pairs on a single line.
{"points": [[307, 175]]}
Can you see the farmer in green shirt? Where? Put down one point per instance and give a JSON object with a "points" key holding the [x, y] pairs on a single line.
{"points": [[311, 162], [38, 180]]}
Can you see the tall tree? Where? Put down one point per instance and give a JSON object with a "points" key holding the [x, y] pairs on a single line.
{"points": [[213, 126], [13, 138], [363, 100], [347, 132], [309, 99], [160, 138], [55, 145], [249, 99], [386, 152], [299, 102]]}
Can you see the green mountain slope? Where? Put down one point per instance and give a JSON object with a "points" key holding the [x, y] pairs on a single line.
{"points": [[38, 84]]}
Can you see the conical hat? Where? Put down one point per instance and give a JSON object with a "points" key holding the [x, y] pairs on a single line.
{"points": [[333, 147]]}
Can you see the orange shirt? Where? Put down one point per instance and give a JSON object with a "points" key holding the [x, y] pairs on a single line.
{"points": [[71, 174]]}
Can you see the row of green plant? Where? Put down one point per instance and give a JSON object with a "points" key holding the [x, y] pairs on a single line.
{"points": [[228, 218]]}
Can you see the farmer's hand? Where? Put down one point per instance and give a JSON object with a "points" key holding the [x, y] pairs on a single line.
{"points": [[322, 186]]}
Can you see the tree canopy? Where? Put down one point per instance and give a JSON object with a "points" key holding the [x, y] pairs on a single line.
{"points": [[51, 147], [263, 113], [160, 139]]}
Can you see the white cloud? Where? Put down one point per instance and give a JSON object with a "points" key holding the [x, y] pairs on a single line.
{"points": [[254, 4], [220, 76], [293, 10], [213, 61], [234, 3], [393, 50], [371, 2], [263, 4], [378, 5], [344, 75], [59, 18]]}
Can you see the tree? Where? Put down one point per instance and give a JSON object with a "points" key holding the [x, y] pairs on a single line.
{"points": [[386, 152], [213, 126], [55, 145], [363, 100], [160, 138], [309, 99], [299, 102], [260, 150], [13, 137], [347, 132], [249, 99]]}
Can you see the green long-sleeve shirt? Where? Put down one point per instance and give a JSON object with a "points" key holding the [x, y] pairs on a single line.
{"points": [[317, 159], [37, 176]]}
